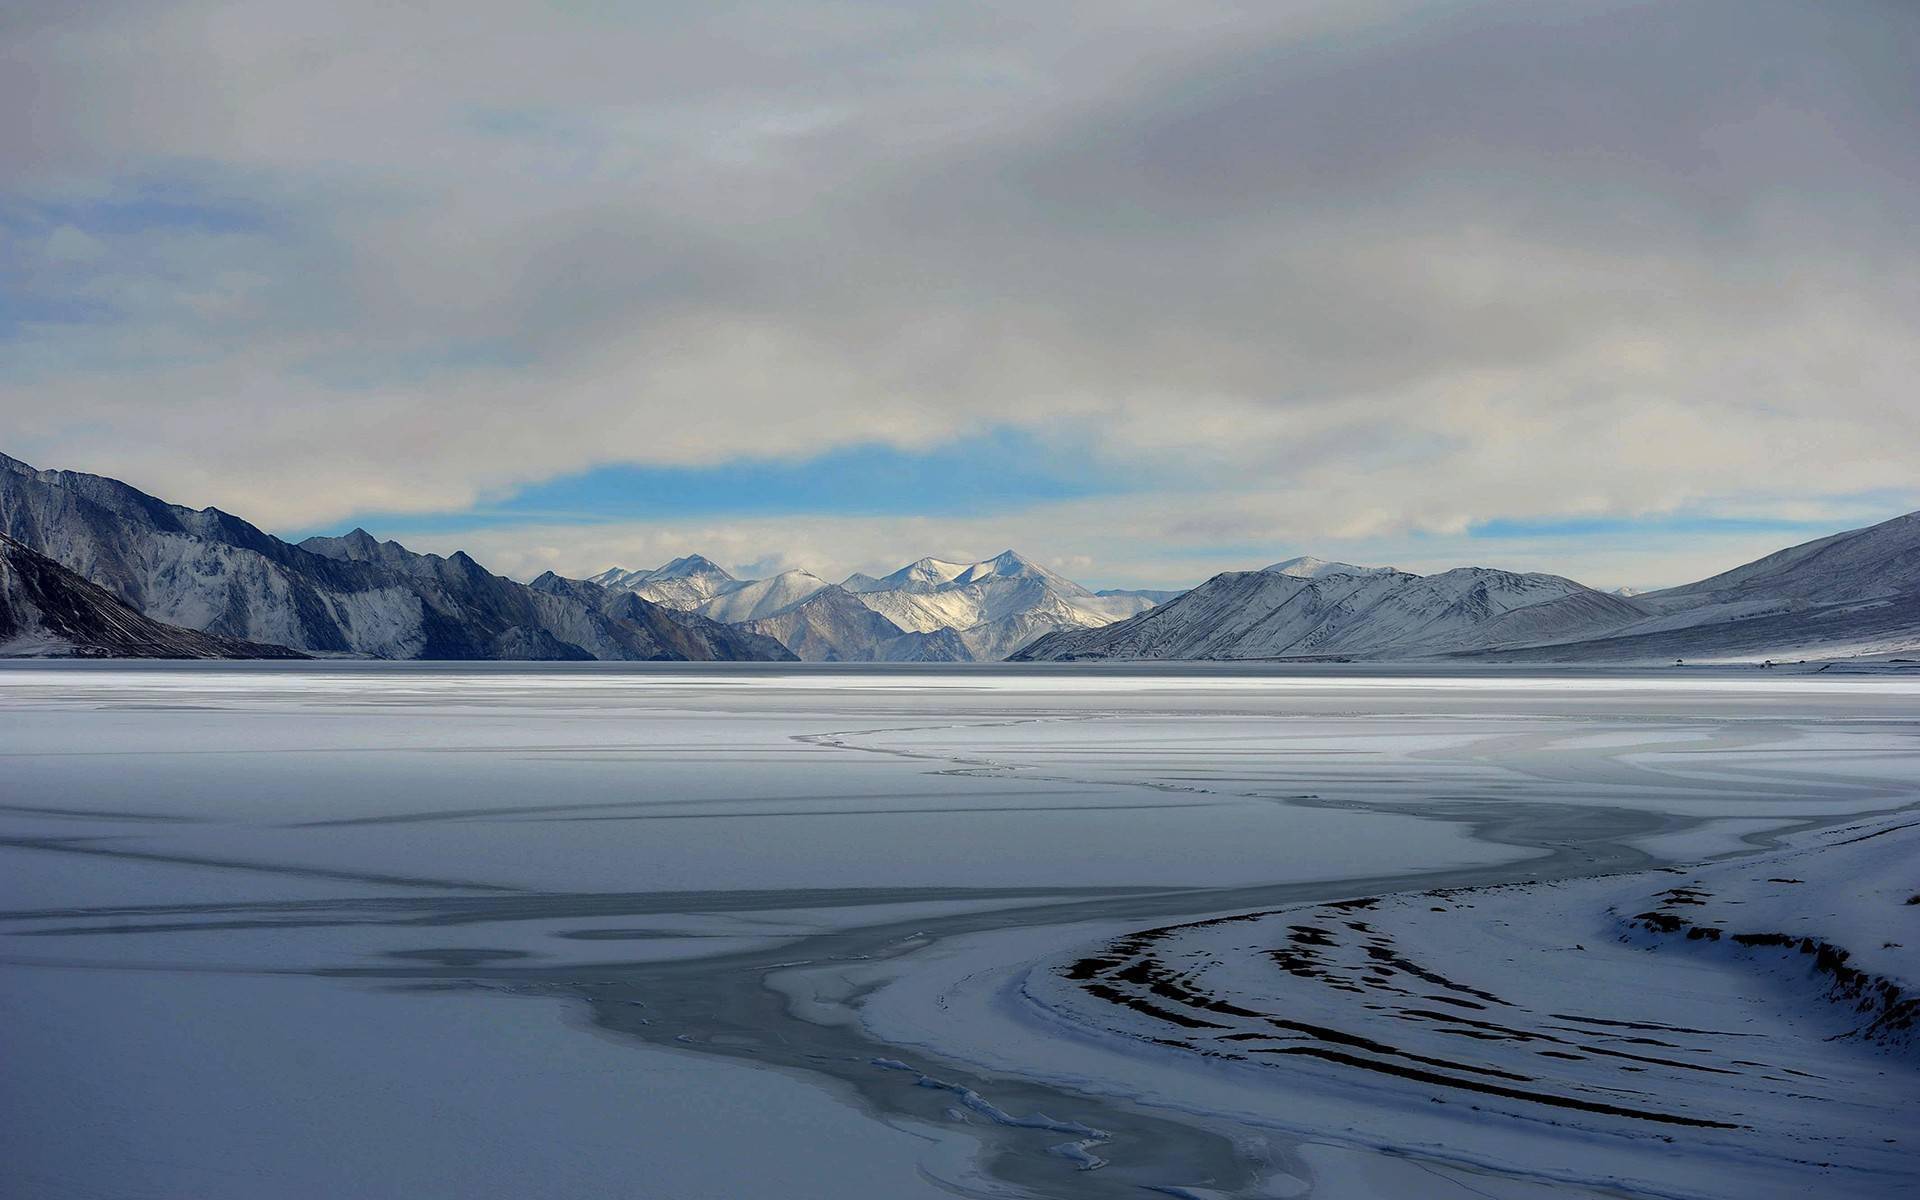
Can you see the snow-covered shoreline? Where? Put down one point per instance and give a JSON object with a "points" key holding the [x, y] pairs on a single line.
{"points": [[1574, 1033]]}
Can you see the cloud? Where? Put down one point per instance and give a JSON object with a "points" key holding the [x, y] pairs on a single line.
{"points": [[1330, 270]]}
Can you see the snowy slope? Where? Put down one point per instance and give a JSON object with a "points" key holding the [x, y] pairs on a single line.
{"points": [[831, 625], [1854, 593], [923, 573], [958, 611], [761, 597], [698, 584], [673, 635], [1880, 560], [47, 611], [1308, 567], [997, 605], [685, 583], [209, 571], [1263, 614]]}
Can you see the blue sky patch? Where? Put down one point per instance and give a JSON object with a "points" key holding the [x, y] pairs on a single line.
{"points": [[1002, 471]]}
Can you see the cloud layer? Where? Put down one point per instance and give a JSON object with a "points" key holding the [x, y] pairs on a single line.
{"points": [[1322, 272]]}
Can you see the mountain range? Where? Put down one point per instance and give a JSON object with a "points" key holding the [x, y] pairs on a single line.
{"points": [[1851, 594], [47, 611], [1333, 613], [209, 572], [930, 610], [90, 566]]}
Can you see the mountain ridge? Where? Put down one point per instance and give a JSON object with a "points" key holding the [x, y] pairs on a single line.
{"points": [[47, 611], [946, 610], [1262, 614], [208, 571], [1856, 592]]}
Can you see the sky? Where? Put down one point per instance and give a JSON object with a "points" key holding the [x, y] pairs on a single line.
{"points": [[1621, 289]]}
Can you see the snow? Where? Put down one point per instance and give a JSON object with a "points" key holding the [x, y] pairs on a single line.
{"points": [[1858, 563], [996, 606], [1306, 566], [926, 572], [685, 583], [1478, 1026], [761, 597], [1848, 888], [986, 609], [1382, 614], [1849, 595]]}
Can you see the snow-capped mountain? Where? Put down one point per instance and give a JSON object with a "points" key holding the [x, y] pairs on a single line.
{"points": [[1308, 567], [924, 573], [209, 571], [959, 611], [996, 605], [697, 584], [832, 625], [756, 598], [204, 582], [1377, 614], [684, 584], [1859, 564], [47, 611], [1851, 593]]}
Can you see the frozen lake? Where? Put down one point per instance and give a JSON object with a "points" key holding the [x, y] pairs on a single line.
{"points": [[523, 931]]}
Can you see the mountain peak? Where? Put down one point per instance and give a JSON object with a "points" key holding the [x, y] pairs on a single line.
{"points": [[1008, 564], [689, 565], [930, 572], [356, 545], [1306, 566]]}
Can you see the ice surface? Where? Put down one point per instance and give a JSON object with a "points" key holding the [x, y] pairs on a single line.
{"points": [[238, 1087], [556, 927]]}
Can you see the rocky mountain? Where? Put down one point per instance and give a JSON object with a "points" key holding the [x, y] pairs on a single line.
{"points": [[95, 567], [758, 598], [683, 584], [47, 611], [697, 584], [212, 572], [1852, 593], [995, 606], [680, 635], [957, 611], [832, 625], [1374, 614], [1859, 564]]}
